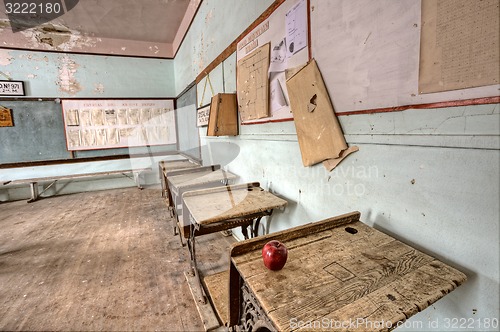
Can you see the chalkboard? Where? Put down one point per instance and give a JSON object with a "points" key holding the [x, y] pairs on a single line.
{"points": [[38, 132], [38, 135], [188, 136]]}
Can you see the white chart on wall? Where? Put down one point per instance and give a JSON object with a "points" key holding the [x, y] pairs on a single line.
{"points": [[104, 124]]}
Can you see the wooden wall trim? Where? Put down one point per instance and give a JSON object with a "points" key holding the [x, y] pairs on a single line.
{"points": [[86, 159], [442, 104]]}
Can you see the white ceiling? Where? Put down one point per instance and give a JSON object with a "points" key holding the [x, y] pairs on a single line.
{"points": [[150, 28]]}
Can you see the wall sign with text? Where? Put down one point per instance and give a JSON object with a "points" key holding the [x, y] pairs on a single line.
{"points": [[12, 88], [202, 115]]}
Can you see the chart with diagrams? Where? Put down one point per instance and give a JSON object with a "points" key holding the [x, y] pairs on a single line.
{"points": [[253, 84]]}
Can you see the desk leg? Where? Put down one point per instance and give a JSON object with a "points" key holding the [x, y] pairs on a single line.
{"points": [[34, 191], [255, 228], [194, 268], [245, 231], [177, 224], [138, 176], [252, 316]]}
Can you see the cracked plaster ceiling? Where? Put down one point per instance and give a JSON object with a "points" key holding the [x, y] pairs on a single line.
{"points": [[146, 28]]}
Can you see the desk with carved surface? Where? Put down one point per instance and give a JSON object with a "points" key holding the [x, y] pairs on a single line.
{"points": [[339, 270]]}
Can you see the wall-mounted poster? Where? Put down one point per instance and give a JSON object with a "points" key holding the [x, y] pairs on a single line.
{"points": [[105, 124], [265, 58]]}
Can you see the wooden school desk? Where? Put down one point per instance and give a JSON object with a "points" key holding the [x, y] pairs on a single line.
{"points": [[181, 181], [340, 275], [170, 165], [211, 210]]}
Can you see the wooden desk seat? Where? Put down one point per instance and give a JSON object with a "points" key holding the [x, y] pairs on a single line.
{"points": [[207, 210]]}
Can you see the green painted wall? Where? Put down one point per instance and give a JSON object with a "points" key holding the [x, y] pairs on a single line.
{"points": [[58, 75]]}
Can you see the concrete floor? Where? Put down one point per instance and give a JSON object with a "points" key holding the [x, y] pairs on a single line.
{"points": [[98, 261]]}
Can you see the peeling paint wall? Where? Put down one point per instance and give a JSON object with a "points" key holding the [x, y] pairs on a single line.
{"points": [[429, 177], [58, 75], [214, 27], [38, 133]]}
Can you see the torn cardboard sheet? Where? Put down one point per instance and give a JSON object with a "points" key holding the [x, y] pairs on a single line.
{"points": [[318, 130]]}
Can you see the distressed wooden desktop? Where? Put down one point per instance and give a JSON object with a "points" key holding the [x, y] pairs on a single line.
{"points": [[207, 211], [339, 270]]}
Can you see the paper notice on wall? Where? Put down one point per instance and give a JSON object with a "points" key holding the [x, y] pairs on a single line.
{"points": [[278, 61], [145, 115], [98, 117], [459, 45], [156, 115], [277, 96], [110, 116], [85, 119], [122, 116], [252, 84], [72, 118], [73, 138], [296, 28], [133, 116], [88, 137], [112, 136]]}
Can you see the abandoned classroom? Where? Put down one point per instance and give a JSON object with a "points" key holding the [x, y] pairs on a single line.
{"points": [[210, 165]]}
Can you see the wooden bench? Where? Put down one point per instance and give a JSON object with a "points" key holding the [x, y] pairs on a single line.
{"points": [[33, 182], [339, 271]]}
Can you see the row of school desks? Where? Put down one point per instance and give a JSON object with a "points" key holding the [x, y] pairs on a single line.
{"points": [[340, 275]]}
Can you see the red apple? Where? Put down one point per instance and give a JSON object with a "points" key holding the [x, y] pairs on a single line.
{"points": [[274, 255]]}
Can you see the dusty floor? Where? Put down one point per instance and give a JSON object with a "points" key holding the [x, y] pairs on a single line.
{"points": [[98, 261]]}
